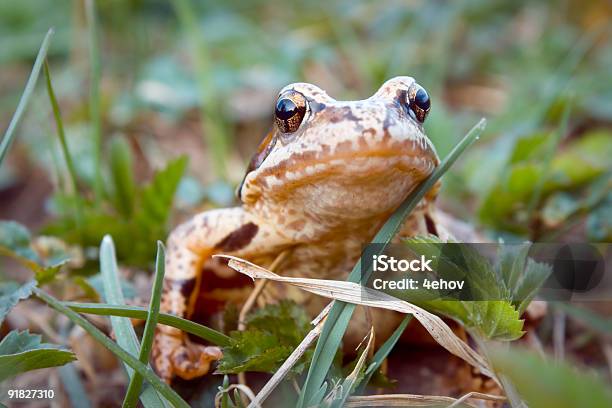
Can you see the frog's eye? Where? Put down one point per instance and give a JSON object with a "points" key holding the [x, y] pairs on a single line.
{"points": [[289, 112], [418, 102]]}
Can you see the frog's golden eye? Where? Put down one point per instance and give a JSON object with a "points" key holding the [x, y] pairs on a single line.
{"points": [[290, 111], [418, 102]]}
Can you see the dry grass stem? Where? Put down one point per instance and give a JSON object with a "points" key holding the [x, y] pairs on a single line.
{"points": [[248, 305], [246, 391], [413, 400], [354, 293]]}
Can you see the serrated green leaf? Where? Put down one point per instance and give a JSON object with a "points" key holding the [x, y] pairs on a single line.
{"points": [[272, 333], [15, 242], [11, 293], [16, 238], [534, 275], [253, 350], [154, 203], [156, 198], [496, 317], [548, 384], [22, 351]]}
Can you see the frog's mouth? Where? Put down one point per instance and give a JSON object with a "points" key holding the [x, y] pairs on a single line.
{"points": [[383, 172]]}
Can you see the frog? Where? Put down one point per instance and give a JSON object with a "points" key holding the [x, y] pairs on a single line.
{"points": [[319, 186]]}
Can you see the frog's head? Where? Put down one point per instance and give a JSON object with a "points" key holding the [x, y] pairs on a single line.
{"points": [[341, 160]]}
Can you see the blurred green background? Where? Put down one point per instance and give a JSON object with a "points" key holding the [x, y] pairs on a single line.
{"points": [[200, 78], [163, 103]]}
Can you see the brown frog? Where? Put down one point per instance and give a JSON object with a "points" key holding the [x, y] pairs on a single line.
{"points": [[321, 184]]}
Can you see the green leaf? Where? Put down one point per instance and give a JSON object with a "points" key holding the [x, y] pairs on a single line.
{"points": [[154, 204], [272, 333], [11, 293], [156, 197], [135, 236], [22, 351], [599, 222], [503, 288], [548, 384], [531, 172], [253, 350], [15, 241], [124, 189], [559, 207], [16, 238], [493, 316]]}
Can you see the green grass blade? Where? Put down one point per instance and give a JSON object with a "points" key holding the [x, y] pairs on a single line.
{"points": [[212, 117], [94, 94], [124, 186], [73, 386], [148, 374], [134, 312], [124, 332], [61, 134], [340, 314], [383, 352], [131, 396], [9, 135]]}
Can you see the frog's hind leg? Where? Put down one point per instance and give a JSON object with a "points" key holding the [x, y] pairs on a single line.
{"points": [[189, 246]]}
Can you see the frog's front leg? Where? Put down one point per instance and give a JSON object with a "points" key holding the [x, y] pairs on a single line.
{"points": [[189, 247]]}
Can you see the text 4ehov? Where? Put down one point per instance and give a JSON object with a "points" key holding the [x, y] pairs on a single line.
{"points": [[413, 284]]}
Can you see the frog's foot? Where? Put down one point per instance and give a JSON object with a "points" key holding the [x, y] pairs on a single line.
{"points": [[175, 355]]}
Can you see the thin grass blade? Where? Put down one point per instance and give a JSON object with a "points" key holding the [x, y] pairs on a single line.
{"points": [[94, 94], [131, 396], [168, 393], [382, 353], [124, 332], [9, 135], [135, 312], [340, 314], [61, 134], [350, 382]]}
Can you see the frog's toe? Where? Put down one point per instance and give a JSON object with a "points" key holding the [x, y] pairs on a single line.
{"points": [[174, 355], [193, 360]]}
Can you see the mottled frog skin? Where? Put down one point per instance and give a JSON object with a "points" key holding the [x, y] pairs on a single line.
{"points": [[321, 184]]}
